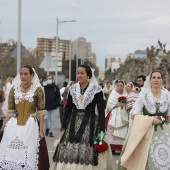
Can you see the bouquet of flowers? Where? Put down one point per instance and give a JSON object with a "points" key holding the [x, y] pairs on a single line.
{"points": [[122, 99], [100, 146]]}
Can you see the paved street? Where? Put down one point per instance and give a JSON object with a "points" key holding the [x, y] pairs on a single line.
{"points": [[51, 140]]}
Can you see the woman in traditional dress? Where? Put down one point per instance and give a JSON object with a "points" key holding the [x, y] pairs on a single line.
{"points": [[148, 143], [107, 90], [131, 97], [116, 117], [81, 126], [23, 143]]}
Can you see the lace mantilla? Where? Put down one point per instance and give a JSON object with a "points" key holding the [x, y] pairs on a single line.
{"points": [[146, 99], [81, 101], [29, 95], [150, 102]]}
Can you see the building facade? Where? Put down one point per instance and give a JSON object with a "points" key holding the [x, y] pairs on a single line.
{"points": [[112, 63], [82, 49], [45, 45], [93, 58]]}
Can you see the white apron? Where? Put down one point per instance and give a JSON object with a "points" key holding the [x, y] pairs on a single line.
{"points": [[20, 145]]}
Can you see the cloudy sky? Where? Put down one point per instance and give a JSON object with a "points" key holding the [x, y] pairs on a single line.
{"points": [[114, 27]]}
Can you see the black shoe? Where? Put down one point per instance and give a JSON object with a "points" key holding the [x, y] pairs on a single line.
{"points": [[51, 135], [47, 132]]}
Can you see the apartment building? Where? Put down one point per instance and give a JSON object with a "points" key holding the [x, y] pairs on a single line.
{"points": [[82, 49], [112, 63], [45, 45]]}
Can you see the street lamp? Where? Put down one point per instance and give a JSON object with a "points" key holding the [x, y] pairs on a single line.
{"points": [[19, 38], [58, 22]]}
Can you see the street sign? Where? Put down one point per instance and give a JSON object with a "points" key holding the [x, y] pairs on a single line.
{"points": [[24, 53]]}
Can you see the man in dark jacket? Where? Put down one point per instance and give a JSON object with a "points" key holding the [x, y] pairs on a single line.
{"points": [[52, 101]]}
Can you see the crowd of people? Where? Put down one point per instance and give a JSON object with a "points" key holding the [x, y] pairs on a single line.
{"points": [[97, 119]]}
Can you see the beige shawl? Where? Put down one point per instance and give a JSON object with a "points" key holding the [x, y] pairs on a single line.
{"points": [[137, 148]]}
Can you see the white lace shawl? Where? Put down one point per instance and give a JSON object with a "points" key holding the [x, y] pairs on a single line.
{"points": [[113, 100], [146, 99], [88, 96], [18, 95]]}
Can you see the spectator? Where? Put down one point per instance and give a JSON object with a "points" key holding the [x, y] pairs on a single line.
{"points": [[62, 101], [44, 83], [107, 90], [65, 83], [140, 80], [101, 85], [52, 101]]}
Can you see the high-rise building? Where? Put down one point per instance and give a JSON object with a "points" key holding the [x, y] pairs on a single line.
{"points": [[112, 63], [82, 49], [45, 45], [93, 58]]}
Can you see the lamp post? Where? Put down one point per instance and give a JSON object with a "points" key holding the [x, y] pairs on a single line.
{"points": [[58, 22], [70, 63], [19, 38]]}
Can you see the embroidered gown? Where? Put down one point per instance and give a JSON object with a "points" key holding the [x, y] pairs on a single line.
{"points": [[82, 125], [116, 121], [159, 151], [20, 145]]}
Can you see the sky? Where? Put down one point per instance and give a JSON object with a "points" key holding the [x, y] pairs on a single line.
{"points": [[114, 27]]}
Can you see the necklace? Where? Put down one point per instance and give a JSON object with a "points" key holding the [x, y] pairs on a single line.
{"points": [[25, 89], [82, 90]]}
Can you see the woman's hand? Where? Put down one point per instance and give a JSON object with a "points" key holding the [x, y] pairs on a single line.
{"points": [[41, 134], [132, 117], [120, 104], [156, 121], [98, 136]]}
